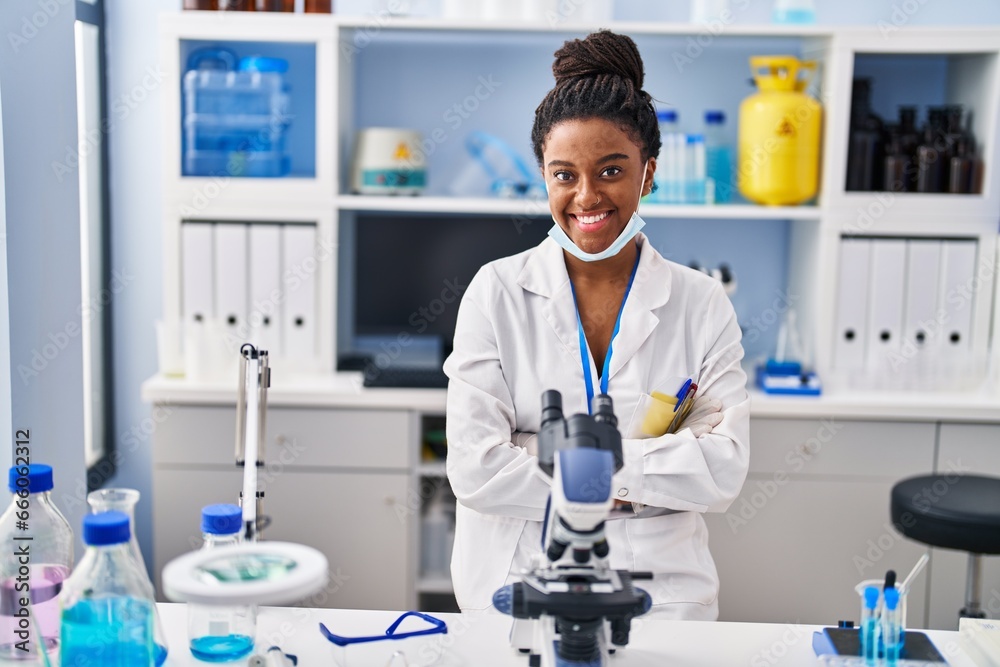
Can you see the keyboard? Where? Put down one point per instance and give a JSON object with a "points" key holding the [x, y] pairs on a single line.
{"points": [[393, 376]]}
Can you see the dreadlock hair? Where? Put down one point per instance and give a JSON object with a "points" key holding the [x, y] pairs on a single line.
{"points": [[599, 77]]}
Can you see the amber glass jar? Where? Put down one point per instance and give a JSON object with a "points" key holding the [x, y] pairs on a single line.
{"points": [[319, 6]]}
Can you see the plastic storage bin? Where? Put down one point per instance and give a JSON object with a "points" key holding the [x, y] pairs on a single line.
{"points": [[236, 115]]}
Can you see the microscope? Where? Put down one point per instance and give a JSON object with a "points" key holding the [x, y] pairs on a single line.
{"points": [[570, 609]]}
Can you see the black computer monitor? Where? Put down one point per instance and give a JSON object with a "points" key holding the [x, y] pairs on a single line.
{"points": [[410, 271]]}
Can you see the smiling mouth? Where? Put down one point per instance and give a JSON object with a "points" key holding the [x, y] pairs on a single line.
{"points": [[592, 219]]}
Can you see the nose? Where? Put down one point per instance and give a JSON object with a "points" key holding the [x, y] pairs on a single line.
{"points": [[588, 193]]}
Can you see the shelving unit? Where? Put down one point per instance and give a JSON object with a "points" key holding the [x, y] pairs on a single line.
{"points": [[361, 79]]}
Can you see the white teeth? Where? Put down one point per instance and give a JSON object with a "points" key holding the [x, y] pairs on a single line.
{"points": [[591, 219]]}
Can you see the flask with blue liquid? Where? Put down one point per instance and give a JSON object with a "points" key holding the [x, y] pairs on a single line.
{"points": [[107, 611], [225, 632]]}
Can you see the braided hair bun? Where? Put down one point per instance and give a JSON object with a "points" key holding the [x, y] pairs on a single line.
{"points": [[599, 77]]}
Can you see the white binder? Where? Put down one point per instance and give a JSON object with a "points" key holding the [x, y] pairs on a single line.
{"points": [[231, 280], [852, 304], [197, 293], [921, 329], [885, 305], [266, 300], [300, 272], [958, 270]]}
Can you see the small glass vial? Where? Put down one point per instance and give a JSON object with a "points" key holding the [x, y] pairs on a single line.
{"points": [[221, 633]]}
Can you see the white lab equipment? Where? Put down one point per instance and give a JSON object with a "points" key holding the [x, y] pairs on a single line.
{"points": [[707, 11]]}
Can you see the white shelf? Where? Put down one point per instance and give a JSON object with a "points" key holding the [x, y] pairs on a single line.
{"points": [[432, 469], [435, 585], [534, 208], [399, 23]]}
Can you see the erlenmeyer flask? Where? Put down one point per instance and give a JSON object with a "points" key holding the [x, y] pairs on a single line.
{"points": [[124, 500]]}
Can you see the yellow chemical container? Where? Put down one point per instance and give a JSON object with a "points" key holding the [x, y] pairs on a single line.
{"points": [[779, 129]]}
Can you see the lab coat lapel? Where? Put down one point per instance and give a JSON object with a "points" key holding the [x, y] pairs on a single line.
{"points": [[650, 290], [545, 274]]}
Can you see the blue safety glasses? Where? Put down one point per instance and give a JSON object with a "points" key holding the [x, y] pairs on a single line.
{"points": [[439, 627]]}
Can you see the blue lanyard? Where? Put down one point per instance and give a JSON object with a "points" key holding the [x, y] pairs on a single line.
{"points": [[584, 357]]}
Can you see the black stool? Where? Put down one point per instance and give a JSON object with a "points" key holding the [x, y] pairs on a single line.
{"points": [[953, 511]]}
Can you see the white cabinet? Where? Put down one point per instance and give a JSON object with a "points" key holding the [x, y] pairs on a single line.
{"points": [[972, 449], [336, 480], [813, 520]]}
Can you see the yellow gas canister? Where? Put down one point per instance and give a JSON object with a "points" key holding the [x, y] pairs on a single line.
{"points": [[779, 130]]}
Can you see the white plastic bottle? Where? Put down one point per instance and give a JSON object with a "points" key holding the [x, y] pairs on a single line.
{"points": [[719, 183], [32, 524], [221, 633], [436, 536]]}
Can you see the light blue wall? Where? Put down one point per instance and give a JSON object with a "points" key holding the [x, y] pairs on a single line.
{"points": [[136, 168], [38, 79]]}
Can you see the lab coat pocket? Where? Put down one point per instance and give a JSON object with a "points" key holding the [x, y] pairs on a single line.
{"points": [[654, 412]]}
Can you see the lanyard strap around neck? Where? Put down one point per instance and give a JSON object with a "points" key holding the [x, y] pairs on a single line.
{"points": [[584, 356]]}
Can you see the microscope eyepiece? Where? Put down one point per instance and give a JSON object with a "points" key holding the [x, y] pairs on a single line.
{"points": [[551, 406], [604, 410]]}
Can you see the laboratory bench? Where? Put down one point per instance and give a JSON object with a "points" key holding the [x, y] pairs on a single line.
{"points": [[346, 471], [482, 640]]}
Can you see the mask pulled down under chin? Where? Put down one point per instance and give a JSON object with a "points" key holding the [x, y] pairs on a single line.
{"points": [[635, 224]]}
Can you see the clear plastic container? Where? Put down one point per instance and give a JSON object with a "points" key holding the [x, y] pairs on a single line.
{"points": [[124, 501], [221, 633], [32, 516], [236, 115], [107, 611], [669, 173], [899, 614], [694, 175], [719, 184]]}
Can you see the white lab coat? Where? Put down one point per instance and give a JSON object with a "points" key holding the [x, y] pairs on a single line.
{"points": [[517, 336]]}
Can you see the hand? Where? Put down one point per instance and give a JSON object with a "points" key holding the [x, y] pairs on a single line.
{"points": [[706, 414], [525, 440]]}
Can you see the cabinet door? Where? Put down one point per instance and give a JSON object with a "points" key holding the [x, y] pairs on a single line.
{"points": [[197, 434], [356, 519], [813, 519], [972, 449]]}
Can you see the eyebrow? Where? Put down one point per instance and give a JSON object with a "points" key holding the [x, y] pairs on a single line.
{"points": [[607, 158]]}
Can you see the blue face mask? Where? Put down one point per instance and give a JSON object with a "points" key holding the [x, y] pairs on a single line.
{"points": [[635, 224]]}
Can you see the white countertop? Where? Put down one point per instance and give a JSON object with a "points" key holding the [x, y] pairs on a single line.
{"points": [[482, 640], [345, 390]]}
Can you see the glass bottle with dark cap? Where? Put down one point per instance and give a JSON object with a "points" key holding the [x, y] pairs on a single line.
{"points": [[866, 149]]}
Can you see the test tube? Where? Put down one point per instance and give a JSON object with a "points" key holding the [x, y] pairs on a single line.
{"points": [[891, 626], [869, 625]]}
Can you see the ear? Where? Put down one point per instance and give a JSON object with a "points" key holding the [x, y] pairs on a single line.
{"points": [[647, 184]]}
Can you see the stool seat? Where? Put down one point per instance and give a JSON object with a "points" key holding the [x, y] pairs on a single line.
{"points": [[952, 511]]}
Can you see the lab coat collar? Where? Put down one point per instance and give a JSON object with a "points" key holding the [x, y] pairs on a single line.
{"points": [[544, 273]]}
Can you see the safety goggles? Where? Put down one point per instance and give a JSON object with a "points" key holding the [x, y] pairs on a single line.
{"points": [[438, 627]]}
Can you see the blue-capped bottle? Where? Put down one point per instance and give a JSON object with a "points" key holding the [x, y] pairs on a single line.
{"points": [[225, 632], [107, 612], [37, 557], [718, 159]]}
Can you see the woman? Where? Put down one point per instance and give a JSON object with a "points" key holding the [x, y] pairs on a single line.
{"points": [[519, 333]]}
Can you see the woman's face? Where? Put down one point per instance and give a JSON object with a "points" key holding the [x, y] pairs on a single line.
{"points": [[594, 174]]}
